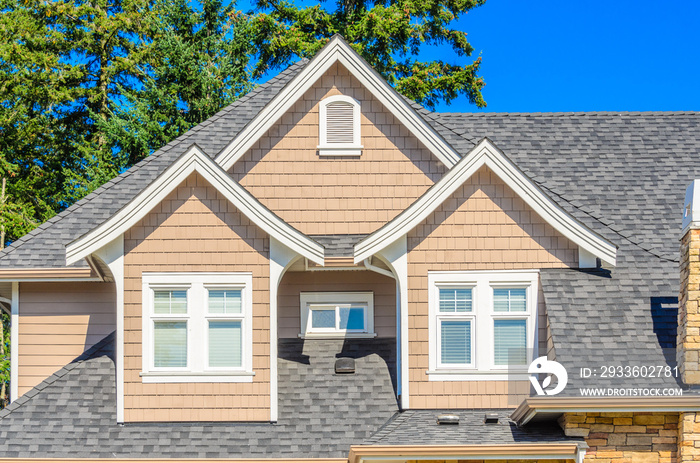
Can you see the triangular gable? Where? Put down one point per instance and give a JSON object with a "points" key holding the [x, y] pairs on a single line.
{"points": [[337, 51], [486, 153], [193, 160]]}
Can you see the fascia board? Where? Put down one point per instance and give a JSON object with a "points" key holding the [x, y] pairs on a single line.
{"points": [[485, 153], [336, 51], [193, 161], [538, 451]]}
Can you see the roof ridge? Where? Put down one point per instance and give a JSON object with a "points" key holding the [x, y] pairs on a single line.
{"points": [[72, 365], [563, 113]]}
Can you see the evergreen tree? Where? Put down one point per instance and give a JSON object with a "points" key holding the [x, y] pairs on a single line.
{"points": [[388, 34], [197, 65]]}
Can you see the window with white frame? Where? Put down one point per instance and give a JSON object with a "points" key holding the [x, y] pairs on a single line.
{"points": [[482, 324], [341, 315], [197, 327], [339, 126]]}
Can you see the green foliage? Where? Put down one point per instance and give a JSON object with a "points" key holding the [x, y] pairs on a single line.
{"points": [[197, 65], [89, 87], [388, 34]]}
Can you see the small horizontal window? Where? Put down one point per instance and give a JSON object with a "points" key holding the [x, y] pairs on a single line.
{"points": [[336, 314]]}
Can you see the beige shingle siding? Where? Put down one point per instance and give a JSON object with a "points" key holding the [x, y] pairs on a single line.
{"points": [[383, 288], [483, 226], [336, 195], [195, 229], [57, 323]]}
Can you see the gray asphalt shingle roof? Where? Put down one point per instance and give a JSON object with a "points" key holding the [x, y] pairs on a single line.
{"points": [[73, 413], [338, 245], [419, 427]]}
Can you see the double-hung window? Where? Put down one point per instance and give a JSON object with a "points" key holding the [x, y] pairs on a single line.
{"points": [[337, 314], [197, 327], [455, 326], [482, 324]]}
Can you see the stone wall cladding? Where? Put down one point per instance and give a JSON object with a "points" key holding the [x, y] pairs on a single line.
{"points": [[688, 437], [631, 437], [688, 313]]}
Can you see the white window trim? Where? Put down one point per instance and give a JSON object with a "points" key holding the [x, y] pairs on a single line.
{"points": [[339, 149], [330, 298], [197, 285], [483, 315]]}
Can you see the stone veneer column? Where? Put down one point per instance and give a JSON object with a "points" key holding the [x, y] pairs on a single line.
{"points": [[688, 437], [688, 342]]}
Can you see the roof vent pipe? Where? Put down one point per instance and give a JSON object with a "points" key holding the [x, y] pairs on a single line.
{"points": [[448, 419]]}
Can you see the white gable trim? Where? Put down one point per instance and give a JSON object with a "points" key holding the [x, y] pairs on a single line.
{"points": [[487, 154], [193, 160], [337, 50]]}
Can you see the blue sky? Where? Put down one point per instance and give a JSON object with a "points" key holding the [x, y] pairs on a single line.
{"points": [[566, 55], [616, 55]]}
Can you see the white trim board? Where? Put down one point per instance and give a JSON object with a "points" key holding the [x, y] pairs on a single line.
{"points": [[194, 160], [336, 51], [487, 154], [14, 343]]}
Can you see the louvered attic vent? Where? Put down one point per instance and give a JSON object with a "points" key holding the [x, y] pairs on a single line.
{"points": [[339, 127]]}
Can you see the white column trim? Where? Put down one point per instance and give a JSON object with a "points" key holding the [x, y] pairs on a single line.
{"points": [[396, 256], [112, 254], [14, 342], [281, 257]]}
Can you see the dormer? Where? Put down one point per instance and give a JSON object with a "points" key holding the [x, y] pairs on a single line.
{"points": [[339, 126]]}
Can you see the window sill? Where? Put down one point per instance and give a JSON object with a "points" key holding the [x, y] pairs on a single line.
{"points": [[476, 375], [339, 150], [149, 377], [337, 335]]}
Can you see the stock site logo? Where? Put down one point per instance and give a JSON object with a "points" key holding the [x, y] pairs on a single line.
{"points": [[542, 366]]}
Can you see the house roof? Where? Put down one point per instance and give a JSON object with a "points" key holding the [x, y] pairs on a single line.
{"points": [[627, 317], [599, 167], [72, 414], [419, 427]]}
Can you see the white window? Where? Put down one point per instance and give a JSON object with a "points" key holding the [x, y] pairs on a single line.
{"points": [[482, 324], [337, 315], [339, 126], [197, 327]]}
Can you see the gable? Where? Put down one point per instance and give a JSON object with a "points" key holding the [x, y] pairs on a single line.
{"points": [[337, 194], [485, 225], [591, 245], [194, 160], [337, 51], [195, 229]]}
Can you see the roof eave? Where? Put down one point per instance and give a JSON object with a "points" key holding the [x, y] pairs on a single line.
{"points": [[530, 451], [533, 407]]}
